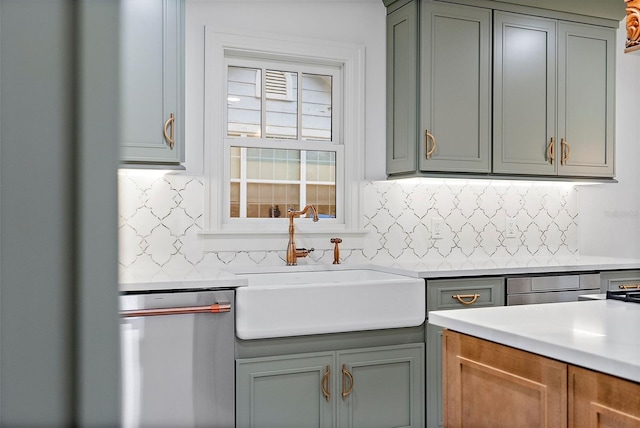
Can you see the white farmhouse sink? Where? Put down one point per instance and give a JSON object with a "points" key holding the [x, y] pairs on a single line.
{"points": [[294, 302]]}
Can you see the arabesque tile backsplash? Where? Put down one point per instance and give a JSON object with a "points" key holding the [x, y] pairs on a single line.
{"points": [[160, 215]]}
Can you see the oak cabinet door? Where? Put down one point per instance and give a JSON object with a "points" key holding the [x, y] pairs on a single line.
{"points": [[597, 400], [489, 385]]}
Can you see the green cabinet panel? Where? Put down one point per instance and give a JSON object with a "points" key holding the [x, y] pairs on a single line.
{"points": [[586, 99], [455, 78], [524, 118], [284, 391], [553, 97], [501, 92], [402, 89], [620, 280], [371, 387], [445, 294], [152, 82], [385, 385]]}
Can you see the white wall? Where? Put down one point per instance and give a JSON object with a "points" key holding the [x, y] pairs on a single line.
{"points": [[352, 21], [610, 213]]}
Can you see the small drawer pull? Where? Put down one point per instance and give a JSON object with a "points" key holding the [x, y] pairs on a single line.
{"points": [[461, 298], [629, 287]]}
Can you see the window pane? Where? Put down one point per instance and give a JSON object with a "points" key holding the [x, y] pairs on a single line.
{"points": [[266, 200], [243, 102], [278, 179], [273, 164], [323, 197], [316, 107], [281, 93]]}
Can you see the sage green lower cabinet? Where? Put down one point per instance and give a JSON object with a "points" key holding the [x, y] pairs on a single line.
{"points": [[370, 387], [284, 391], [445, 294]]}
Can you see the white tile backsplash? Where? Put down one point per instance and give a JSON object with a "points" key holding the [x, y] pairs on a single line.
{"points": [[160, 215]]}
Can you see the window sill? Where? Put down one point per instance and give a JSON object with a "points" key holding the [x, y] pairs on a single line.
{"points": [[213, 241]]}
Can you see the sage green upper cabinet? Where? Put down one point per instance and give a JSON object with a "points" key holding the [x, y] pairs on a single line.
{"points": [[448, 128], [524, 94], [553, 97], [455, 83], [586, 100], [402, 89], [152, 82]]}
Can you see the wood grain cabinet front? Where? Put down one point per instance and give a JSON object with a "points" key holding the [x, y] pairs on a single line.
{"points": [[489, 385], [369, 387]]}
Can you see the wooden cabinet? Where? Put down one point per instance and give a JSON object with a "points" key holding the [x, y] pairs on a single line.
{"points": [[453, 125], [553, 97], [598, 400], [550, 112], [372, 387], [152, 82], [446, 294], [488, 384]]}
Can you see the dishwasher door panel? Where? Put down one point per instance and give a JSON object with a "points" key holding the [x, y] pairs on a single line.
{"points": [[178, 370]]}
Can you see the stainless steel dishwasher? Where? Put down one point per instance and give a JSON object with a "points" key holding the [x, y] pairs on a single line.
{"points": [[551, 288], [177, 358]]}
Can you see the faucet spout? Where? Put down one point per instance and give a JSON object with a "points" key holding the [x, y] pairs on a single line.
{"points": [[292, 251]]}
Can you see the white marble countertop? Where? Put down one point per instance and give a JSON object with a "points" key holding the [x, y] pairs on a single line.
{"points": [[209, 279], [601, 335], [506, 266]]}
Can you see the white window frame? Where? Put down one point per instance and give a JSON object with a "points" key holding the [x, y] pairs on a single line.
{"points": [[224, 234]]}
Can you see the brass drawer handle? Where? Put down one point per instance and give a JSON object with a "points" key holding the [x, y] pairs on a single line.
{"points": [[346, 375], [427, 137], [325, 381], [629, 287], [461, 298], [167, 136], [565, 150], [550, 151]]}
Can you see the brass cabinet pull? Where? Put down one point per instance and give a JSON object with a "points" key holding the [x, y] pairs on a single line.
{"points": [[346, 375], [326, 381], [461, 298], [427, 137], [167, 136], [550, 151], [629, 287], [565, 150]]}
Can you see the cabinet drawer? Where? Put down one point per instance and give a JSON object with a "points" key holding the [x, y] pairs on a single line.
{"points": [[619, 280], [465, 293]]}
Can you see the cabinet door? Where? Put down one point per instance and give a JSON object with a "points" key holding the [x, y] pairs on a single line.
{"points": [[486, 384], [455, 87], [152, 81], [598, 400], [381, 387], [286, 391], [586, 100], [524, 94], [402, 92]]}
